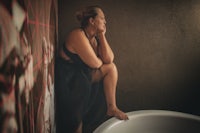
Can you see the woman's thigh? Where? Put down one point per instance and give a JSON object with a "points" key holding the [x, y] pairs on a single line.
{"points": [[97, 75]]}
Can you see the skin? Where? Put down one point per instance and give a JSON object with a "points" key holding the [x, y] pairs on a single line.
{"points": [[98, 57]]}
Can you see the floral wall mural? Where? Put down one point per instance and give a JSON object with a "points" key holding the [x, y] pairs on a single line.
{"points": [[28, 39]]}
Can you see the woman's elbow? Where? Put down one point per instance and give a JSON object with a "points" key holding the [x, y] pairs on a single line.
{"points": [[96, 64]]}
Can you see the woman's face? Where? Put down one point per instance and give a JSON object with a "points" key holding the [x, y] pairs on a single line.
{"points": [[100, 21]]}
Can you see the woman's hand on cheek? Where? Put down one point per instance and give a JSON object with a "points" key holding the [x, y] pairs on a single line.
{"points": [[104, 30], [101, 33]]}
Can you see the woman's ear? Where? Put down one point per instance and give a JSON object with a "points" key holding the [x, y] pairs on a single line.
{"points": [[91, 21]]}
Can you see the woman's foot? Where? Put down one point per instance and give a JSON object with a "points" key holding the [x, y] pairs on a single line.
{"points": [[117, 113]]}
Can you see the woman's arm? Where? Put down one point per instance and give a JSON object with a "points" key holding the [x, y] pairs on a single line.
{"points": [[105, 52], [79, 44]]}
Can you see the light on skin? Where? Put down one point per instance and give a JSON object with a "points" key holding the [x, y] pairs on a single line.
{"points": [[97, 56], [97, 27]]}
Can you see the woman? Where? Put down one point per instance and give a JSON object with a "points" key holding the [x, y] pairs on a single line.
{"points": [[87, 59]]}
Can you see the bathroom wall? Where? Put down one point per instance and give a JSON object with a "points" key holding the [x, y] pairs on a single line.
{"points": [[28, 39], [157, 50]]}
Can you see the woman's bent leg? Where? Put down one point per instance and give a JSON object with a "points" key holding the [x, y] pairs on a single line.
{"points": [[110, 77]]}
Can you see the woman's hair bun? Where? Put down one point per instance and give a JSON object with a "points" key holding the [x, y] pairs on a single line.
{"points": [[79, 15], [85, 13]]}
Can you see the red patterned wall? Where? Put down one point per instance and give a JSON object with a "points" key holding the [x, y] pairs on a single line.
{"points": [[28, 39]]}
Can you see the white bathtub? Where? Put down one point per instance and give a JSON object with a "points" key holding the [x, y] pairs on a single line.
{"points": [[152, 121]]}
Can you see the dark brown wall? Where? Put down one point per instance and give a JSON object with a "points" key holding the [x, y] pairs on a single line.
{"points": [[157, 50]]}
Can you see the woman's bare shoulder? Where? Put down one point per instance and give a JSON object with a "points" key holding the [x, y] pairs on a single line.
{"points": [[74, 35], [77, 39], [76, 32]]}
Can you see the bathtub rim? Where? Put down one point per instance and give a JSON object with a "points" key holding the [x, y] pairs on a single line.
{"points": [[105, 126]]}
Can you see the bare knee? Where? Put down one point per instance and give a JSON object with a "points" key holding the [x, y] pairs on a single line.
{"points": [[105, 69], [108, 68]]}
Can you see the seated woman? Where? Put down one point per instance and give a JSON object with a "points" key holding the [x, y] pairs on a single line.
{"points": [[86, 59]]}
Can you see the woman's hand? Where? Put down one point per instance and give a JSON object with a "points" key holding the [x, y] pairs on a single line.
{"points": [[101, 33], [104, 31]]}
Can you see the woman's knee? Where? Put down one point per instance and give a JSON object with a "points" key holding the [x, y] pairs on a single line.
{"points": [[106, 68]]}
